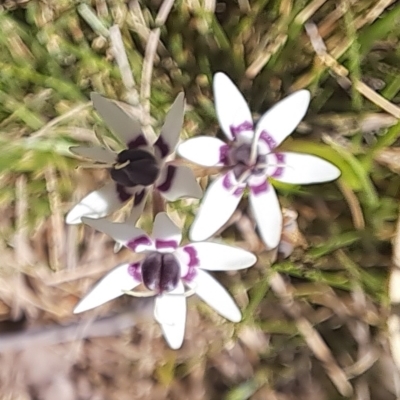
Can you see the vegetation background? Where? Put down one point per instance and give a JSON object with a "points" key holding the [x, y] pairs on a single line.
{"points": [[319, 325]]}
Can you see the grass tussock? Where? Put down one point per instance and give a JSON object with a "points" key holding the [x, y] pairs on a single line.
{"points": [[314, 325]]}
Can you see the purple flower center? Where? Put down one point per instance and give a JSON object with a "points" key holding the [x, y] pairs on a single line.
{"points": [[135, 167], [160, 272], [239, 160]]}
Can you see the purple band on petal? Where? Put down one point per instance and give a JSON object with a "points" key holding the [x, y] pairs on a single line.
{"points": [[223, 154], [228, 185], [193, 263], [278, 172], [133, 244], [139, 141], [164, 187], [191, 274], [139, 197], [193, 259], [243, 127], [165, 244], [134, 271], [162, 145], [280, 158], [123, 195], [239, 191], [261, 188], [268, 140]]}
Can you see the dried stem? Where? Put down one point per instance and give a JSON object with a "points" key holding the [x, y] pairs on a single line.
{"points": [[311, 336]]}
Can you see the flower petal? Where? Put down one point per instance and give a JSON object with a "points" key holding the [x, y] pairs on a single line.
{"points": [[134, 238], [232, 110], [165, 233], [178, 181], [215, 295], [136, 212], [170, 313], [100, 203], [121, 123], [305, 169], [137, 207], [281, 120], [218, 257], [267, 212], [204, 150], [95, 153], [169, 136], [108, 288], [218, 205]]}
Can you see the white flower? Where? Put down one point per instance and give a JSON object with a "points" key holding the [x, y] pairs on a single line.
{"points": [[249, 160], [165, 270], [138, 168]]}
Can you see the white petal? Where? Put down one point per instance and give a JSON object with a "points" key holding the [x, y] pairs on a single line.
{"points": [[134, 238], [178, 181], [304, 169], [172, 127], [137, 207], [217, 206], [215, 295], [281, 120], [165, 231], [267, 213], [232, 110], [204, 150], [108, 288], [170, 313], [100, 203], [126, 127], [136, 212], [96, 153], [218, 257]]}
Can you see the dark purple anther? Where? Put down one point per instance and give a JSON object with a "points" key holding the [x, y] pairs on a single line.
{"points": [[142, 168], [160, 272]]}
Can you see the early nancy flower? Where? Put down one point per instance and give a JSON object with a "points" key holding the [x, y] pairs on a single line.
{"points": [[249, 159], [138, 168], [165, 270]]}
